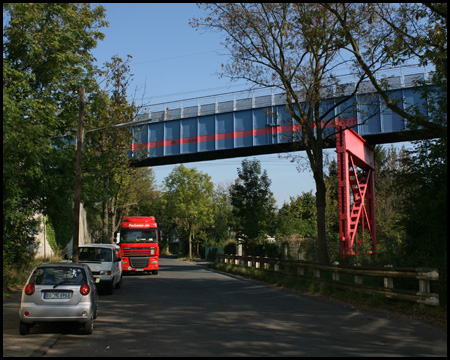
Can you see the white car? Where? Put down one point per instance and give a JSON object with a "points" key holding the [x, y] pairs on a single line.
{"points": [[105, 263]]}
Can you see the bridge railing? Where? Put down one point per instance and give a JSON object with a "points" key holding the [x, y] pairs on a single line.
{"points": [[348, 277], [395, 78]]}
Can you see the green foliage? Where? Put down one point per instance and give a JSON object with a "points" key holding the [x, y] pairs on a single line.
{"points": [[253, 202], [188, 200], [46, 57], [298, 217], [219, 230], [332, 212], [50, 234], [230, 248], [388, 199], [264, 248], [144, 194], [108, 175], [297, 228], [424, 210]]}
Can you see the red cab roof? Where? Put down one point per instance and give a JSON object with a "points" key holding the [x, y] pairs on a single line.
{"points": [[139, 222]]}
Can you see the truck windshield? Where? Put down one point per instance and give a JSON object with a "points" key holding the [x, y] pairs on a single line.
{"points": [[138, 236]]}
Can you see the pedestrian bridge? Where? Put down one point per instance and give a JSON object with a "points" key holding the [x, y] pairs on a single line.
{"points": [[257, 122]]}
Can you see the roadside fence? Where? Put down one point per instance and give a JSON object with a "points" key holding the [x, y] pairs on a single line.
{"points": [[371, 280]]}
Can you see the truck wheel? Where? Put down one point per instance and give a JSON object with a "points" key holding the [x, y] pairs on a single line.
{"points": [[155, 272]]}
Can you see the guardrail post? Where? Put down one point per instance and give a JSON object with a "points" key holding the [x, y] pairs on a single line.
{"points": [[424, 286], [257, 263], [335, 273], [276, 266], [388, 282], [357, 278]]}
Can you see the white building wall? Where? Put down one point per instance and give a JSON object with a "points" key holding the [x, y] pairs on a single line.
{"points": [[43, 247]]}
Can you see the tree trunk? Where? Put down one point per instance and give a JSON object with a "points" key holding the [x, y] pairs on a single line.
{"points": [[190, 244], [105, 213], [316, 161], [322, 250]]}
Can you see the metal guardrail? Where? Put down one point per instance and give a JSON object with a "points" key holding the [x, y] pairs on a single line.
{"points": [[315, 272]]}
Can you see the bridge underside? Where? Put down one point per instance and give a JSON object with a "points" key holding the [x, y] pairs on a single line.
{"points": [[374, 139]]}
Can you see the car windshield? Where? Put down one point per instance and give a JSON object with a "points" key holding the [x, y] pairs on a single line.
{"points": [[138, 236], [58, 276], [95, 254]]}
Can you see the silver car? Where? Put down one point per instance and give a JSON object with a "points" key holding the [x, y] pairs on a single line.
{"points": [[59, 292]]}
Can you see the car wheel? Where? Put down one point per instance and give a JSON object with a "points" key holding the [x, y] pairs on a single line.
{"points": [[24, 328], [89, 327], [109, 287], [119, 284]]}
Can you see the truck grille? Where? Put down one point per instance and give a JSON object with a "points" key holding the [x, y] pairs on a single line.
{"points": [[139, 262], [139, 251]]}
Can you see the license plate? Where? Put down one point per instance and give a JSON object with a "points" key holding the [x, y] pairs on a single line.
{"points": [[57, 295]]}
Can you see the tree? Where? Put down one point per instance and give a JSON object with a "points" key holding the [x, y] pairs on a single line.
{"points": [[298, 217], [107, 145], [388, 200], [332, 211], [381, 35], [143, 191], [219, 230], [293, 47], [46, 56], [188, 195], [253, 202], [424, 215]]}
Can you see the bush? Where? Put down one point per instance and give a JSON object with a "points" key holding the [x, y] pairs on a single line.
{"points": [[263, 249], [230, 248]]}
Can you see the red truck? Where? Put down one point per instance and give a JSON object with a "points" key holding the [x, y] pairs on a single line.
{"points": [[139, 244]]}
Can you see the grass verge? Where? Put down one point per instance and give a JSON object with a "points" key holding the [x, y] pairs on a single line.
{"points": [[15, 277]]}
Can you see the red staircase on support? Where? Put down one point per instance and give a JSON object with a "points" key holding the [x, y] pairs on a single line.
{"points": [[353, 151]]}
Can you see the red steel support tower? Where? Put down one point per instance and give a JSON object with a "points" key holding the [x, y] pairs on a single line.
{"points": [[353, 151]]}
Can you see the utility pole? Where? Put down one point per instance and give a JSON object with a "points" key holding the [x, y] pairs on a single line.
{"points": [[77, 197]]}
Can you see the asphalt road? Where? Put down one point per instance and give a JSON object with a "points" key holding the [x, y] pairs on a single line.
{"points": [[189, 310]]}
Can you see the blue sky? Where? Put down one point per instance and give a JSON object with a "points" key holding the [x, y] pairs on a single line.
{"points": [[172, 61]]}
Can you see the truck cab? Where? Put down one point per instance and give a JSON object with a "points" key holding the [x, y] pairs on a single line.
{"points": [[139, 244]]}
